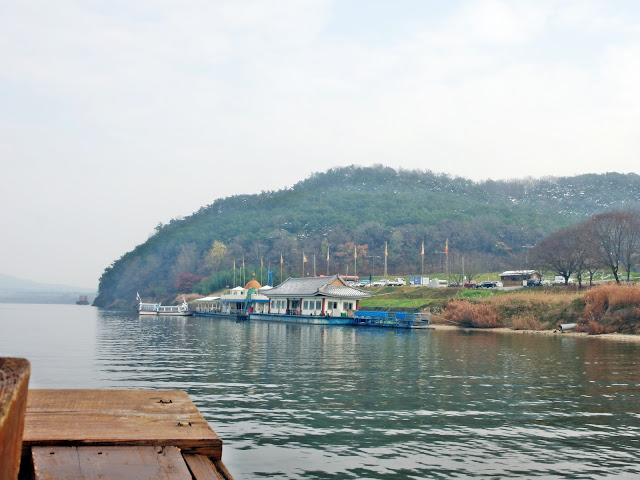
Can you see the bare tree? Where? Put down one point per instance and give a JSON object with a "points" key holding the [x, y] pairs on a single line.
{"points": [[557, 252], [631, 243], [612, 232]]}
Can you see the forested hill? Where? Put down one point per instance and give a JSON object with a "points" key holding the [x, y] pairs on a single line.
{"points": [[359, 209]]}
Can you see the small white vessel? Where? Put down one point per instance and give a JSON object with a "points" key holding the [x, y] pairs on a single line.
{"points": [[181, 310]]}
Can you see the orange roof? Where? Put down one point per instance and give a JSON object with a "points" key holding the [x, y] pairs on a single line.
{"points": [[253, 284]]}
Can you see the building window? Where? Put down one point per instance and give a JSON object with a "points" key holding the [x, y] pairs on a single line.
{"points": [[305, 305], [318, 305]]}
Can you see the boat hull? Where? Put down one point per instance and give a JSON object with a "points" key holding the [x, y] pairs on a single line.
{"points": [[305, 319], [167, 314]]}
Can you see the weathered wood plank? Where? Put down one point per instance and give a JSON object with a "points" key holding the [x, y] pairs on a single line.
{"points": [[14, 383], [222, 468], [107, 463], [118, 417], [202, 468]]}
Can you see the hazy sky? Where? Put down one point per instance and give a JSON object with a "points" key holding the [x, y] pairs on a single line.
{"points": [[117, 115]]}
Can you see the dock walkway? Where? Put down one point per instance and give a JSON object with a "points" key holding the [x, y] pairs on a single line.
{"points": [[114, 434]]}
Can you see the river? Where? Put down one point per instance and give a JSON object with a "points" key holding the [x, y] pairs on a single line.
{"points": [[313, 402]]}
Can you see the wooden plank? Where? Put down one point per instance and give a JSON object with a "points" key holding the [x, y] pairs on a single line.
{"points": [[107, 463], [202, 468], [222, 468], [118, 417], [14, 383]]}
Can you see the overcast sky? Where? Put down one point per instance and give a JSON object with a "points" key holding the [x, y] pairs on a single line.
{"points": [[117, 115]]}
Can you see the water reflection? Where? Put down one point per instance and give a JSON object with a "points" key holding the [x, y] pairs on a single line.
{"points": [[300, 401]]}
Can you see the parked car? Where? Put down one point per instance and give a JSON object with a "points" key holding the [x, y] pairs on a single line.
{"points": [[534, 282], [380, 283], [397, 282], [470, 284], [489, 284]]}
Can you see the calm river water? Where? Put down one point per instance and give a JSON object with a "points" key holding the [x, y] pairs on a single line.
{"points": [[298, 401]]}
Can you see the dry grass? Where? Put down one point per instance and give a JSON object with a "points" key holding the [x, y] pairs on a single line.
{"points": [[467, 314], [527, 322], [612, 308], [535, 309]]}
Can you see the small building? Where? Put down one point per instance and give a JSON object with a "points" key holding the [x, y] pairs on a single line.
{"points": [[237, 301], [315, 296], [512, 278]]}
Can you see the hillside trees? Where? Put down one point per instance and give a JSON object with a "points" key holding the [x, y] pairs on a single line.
{"points": [[364, 206]]}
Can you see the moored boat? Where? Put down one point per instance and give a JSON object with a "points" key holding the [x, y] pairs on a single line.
{"points": [[83, 300], [181, 310]]}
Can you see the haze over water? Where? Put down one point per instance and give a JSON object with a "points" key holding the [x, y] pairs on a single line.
{"points": [[298, 401]]}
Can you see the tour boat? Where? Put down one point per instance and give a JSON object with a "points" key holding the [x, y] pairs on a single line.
{"points": [[181, 310]]}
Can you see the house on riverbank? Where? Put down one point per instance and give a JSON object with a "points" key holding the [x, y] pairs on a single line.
{"points": [[236, 301], [513, 278], [318, 297]]}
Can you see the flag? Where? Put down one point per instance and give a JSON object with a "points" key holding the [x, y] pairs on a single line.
{"points": [[261, 262], [355, 252], [386, 253], [304, 258], [446, 246], [138, 297], [234, 264], [327, 253], [422, 251], [242, 262], [281, 260]]}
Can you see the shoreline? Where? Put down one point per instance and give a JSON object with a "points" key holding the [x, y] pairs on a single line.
{"points": [[605, 336]]}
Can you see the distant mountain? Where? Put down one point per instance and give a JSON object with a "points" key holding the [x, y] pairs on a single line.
{"points": [[357, 211], [18, 290]]}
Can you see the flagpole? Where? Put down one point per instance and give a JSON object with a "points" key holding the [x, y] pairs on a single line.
{"points": [[328, 260], [281, 268], [386, 253], [422, 259], [314, 264], [446, 253], [303, 264], [355, 261]]}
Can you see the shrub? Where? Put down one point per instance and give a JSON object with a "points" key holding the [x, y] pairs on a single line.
{"points": [[595, 328], [467, 314]]}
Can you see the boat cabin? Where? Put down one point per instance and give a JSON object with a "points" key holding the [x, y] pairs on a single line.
{"points": [[237, 301]]}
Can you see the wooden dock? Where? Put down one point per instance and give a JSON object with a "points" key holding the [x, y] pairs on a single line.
{"points": [[113, 434]]}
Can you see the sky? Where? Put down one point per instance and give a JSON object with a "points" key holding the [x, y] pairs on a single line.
{"points": [[116, 116]]}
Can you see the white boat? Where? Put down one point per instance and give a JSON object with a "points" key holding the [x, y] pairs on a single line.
{"points": [[181, 310]]}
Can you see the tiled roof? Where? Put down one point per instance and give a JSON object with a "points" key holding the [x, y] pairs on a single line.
{"points": [[312, 286], [342, 292]]}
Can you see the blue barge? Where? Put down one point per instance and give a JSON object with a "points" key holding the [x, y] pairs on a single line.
{"points": [[359, 319], [392, 319]]}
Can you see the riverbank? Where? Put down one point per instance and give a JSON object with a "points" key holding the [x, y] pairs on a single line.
{"points": [[603, 309], [620, 337]]}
